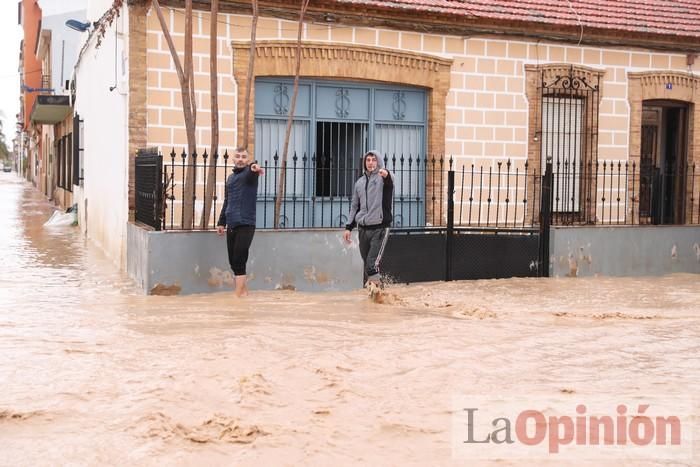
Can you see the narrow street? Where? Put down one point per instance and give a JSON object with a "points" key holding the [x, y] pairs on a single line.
{"points": [[93, 372]]}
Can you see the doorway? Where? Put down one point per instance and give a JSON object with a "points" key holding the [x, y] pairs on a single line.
{"points": [[663, 162]]}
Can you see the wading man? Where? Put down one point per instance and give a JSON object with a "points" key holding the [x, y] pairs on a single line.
{"points": [[237, 217], [370, 211]]}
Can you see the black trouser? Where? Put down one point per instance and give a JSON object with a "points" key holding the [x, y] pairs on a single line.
{"points": [[238, 240], [372, 244]]}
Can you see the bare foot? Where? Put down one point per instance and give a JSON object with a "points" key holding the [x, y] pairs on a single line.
{"points": [[241, 286]]}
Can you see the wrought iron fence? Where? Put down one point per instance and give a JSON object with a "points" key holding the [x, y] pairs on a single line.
{"points": [[507, 194], [614, 192], [499, 195], [317, 190], [503, 195]]}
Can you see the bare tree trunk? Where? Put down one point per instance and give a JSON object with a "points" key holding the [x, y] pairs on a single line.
{"points": [[285, 149], [189, 65], [249, 80], [214, 91], [190, 177], [187, 101]]}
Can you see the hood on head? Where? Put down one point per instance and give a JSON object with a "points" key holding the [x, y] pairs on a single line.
{"points": [[380, 159]]}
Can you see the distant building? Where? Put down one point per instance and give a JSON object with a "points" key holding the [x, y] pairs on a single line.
{"points": [[47, 61]]}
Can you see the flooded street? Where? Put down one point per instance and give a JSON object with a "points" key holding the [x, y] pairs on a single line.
{"points": [[95, 373]]}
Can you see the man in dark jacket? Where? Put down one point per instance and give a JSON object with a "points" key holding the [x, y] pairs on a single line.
{"points": [[370, 210], [237, 217]]}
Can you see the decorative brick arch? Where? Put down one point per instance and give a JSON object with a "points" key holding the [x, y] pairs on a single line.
{"points": [[653, 85], [534, 76], [684, 87], [347, 61]]}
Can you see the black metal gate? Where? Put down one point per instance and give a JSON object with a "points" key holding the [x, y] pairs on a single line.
{"points": [[422, 255], [416, 255], [454, 253], [149, 188]]}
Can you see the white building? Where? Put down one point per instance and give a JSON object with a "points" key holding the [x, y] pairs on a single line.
{"points": [[101, 105]]}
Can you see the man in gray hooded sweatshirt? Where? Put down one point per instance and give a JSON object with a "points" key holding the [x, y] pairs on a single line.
{"points": [[370, 210]]}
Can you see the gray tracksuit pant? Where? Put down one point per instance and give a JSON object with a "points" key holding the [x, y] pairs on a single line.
{"points": [[372, 244]]}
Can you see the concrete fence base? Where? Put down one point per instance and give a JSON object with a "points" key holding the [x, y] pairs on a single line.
{"points": [[187, 262], [624, 251], [184, 262]]}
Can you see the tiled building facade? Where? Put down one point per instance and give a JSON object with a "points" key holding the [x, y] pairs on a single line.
{"points": [[483, 92]]}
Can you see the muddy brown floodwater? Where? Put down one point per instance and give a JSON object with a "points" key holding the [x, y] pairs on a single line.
{"points": [[92, 372]]}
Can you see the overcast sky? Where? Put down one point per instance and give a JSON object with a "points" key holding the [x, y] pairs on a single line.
{"points": [[10, 37]]}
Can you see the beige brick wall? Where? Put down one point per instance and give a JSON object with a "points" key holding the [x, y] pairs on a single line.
{"points": [[164, 101]]}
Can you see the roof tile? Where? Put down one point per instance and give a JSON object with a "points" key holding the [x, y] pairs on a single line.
{"points": [[669, 17]]}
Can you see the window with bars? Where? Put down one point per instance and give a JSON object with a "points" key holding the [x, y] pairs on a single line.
{"points": [[337, 163], [562, 134], [335, 123], [569, 139]]}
